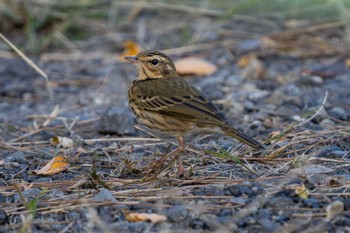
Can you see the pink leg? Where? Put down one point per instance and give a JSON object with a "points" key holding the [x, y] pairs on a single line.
{"points": [[179, 161], [175, 153]]}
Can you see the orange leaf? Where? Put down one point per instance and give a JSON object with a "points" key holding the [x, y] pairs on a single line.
{"points": [[131, 48], [137, 217], [195, 66], [56, 165]]}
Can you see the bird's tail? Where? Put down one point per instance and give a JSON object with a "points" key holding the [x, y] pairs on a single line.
{"points": [[232, 132]]}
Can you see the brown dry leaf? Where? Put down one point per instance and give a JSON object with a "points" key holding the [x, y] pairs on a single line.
{"points": [[194, 66], [56, 165], [347, 62], [252, 67], [63, 142], [141, 217], [243, 61], [131, 48]]}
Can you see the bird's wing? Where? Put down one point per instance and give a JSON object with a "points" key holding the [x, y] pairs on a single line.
{"points": [[182, 101]]}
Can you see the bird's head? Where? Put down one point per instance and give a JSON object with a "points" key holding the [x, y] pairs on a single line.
{"points": [[153, 64]]}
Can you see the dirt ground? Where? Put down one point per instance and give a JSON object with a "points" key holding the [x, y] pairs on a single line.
{"points": [[286, 86]]}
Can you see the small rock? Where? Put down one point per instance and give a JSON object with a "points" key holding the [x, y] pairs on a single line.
{"points": [[43, 179], [268, 225], [106, 212], [339, 153], [238, 200], [281, 218], [225, 212], [311, 203], [264, 213], [2, 198], [322, 114], [342, 221], [17, 157], [257, 95], [74, 214], [339, 113], [3, 217], [213, 190], [198, 224], [28, 194], [54, 193], [238, 190], [347, 204], [326, 123], [104, 195], [279, 202], [118, 120], [326, 151], [135, 227], [256, 125], [177, 213], [248, 105]]}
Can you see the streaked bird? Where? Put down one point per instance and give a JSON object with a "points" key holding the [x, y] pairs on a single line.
{"points": [[164, 101]]}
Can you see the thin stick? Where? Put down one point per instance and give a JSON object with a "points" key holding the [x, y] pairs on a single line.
{"points": [[29, 62], [304, 121]]}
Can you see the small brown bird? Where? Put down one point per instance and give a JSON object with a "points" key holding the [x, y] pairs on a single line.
{"points": [[162, 100]]}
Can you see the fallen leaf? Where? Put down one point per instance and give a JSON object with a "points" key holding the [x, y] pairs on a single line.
{"points": [[194, 66], [63, 142], [141, 217], [131, 48], [252, 67], [302, 192], [56, 165], [347, 62]]}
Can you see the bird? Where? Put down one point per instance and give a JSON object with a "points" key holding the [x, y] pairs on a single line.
{"points": [[164, 101]]}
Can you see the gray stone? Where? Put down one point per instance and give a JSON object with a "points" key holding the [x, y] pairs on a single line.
{"points": [[17, 156], [3, 217], [28, 194], [339, 113], [118, 120], [177, 213], [104, 195], [277, 202]]}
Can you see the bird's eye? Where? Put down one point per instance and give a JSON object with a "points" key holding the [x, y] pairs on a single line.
{"points": [[155, 62]]}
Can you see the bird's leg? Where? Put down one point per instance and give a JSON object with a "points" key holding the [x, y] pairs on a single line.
{"points": [[181, 149], [175, 153]]}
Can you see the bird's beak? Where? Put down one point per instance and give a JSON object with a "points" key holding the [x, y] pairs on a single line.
{"points": [[132, 59]]}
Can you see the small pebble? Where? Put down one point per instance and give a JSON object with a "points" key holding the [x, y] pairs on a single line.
{"points": [[177, 213], [28, 194], [3, 217], [198, 224], [17, 157], [238, 190], [339, 113], [104, 195], [118, 120], [279, 202]]}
